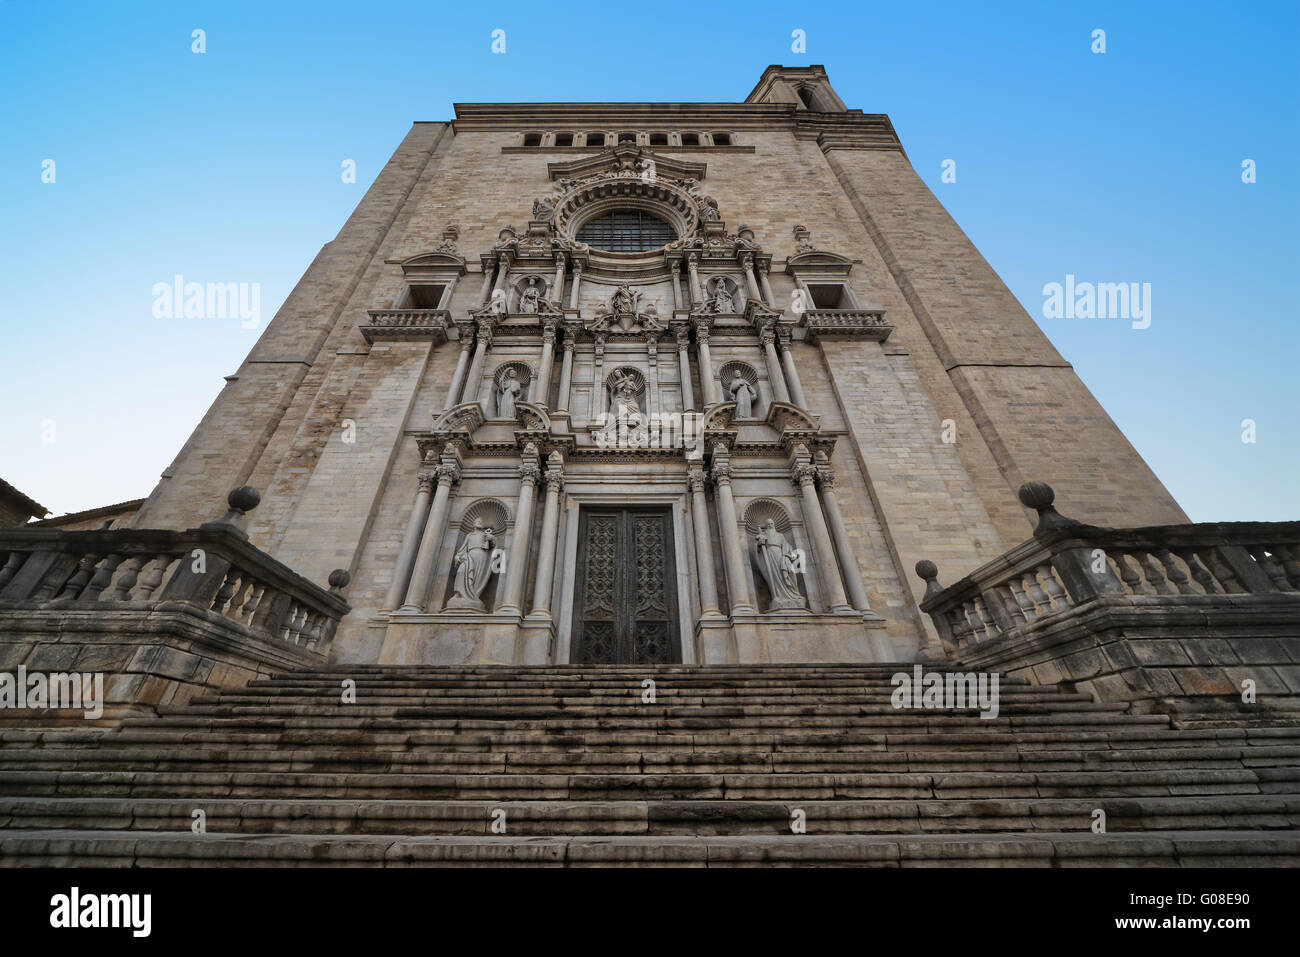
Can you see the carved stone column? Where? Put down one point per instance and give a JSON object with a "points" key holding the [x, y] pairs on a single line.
{"points": [[675, 270], [557, 289], [487, 284], [517, 563], [804, 474], [708, 382], [577, 285], [747, 264], [791, 373], [566, 370], [475, 378], [503, 272], [733, 555], [768, 297], [703, 546], [693, 268], [458, 377], [774, 375], [542, 395], [848, 561], [550, 533], [447, 473], [684, 367], [410, 540]]}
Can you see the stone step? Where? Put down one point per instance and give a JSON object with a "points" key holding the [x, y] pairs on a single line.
{"points": [[1046, 849], [225, 816]]}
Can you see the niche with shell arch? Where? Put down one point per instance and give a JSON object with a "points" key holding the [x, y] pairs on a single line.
{"points": [[495, 517], [523, 372], [520, 286], [757, 515], [748, 373], [612, 382]]}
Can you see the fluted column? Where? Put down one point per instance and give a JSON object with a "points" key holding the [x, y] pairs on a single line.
{"points": [[774, 374], [447, 473], [768, 297], [707, 381], [693, 269], [542, 394], [804, 474], [410, 540], [747, 264], [848, 561], [791, 373], [577, 285], [517, 563], [475, 378], [487, 284], [557, 289], [458, 377], [733, 555], [684, 367], [703, 547], [566, 371], [545, 583]]}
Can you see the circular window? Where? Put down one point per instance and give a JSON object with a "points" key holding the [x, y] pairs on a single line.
{"points": [[626, 231]]}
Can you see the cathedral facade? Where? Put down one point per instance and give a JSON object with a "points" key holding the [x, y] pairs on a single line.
{"points": [[649, 383]]}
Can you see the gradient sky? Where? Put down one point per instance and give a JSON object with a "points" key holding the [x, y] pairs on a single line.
{"points": [[225, 167]]}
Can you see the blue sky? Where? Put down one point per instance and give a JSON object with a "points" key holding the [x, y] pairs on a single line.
{"points": [[225, 167]]}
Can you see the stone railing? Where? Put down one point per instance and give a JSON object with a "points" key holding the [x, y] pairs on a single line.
{"points": [[200, 608], [406, 324], [1186, 583], [847, 323]]}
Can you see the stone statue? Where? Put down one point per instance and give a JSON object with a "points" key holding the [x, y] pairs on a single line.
{"points": [[709, 210], [722, 298], [624, 395], [508, 394], [624, 302], [543, 209], [530, 299], [473, 567], [776, 560], [744, 395]]}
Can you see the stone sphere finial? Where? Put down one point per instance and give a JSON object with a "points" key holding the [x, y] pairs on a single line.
{"points": [[1040, 496], [244, 499], [929, 573], [339, 579]]}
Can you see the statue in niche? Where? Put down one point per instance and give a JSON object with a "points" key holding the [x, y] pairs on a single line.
{"points": [[723, 300], [530, 300], [508, 394], [623, 395], [777, 561], [744, 395], [473, 567]]}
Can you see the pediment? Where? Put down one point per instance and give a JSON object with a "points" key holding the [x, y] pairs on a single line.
{"points": [[819, 261], [433, 265]]}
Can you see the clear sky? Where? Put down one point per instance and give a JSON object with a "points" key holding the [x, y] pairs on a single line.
{"points": [[224, 166]]}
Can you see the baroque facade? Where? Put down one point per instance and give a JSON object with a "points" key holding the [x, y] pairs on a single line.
{"points": [[734, 376]]}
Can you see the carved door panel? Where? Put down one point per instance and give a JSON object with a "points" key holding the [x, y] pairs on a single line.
{"points": [[625, 608]]}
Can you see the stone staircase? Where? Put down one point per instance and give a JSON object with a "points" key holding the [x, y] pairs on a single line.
{"points": [[429, 764]]}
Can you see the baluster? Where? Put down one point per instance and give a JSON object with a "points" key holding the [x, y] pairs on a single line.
{"points": [[1060, 598], [1272, 567], [152, 577], [242, 594], [126, 579], [959, 626], [979, 630], [1223, 574], [85, 568], [103, 575], [992, 624], [1041, 603], [1131, 579], [1203, 577], [14, 563], [293, 623], [1174, 573], [52, 581], [254, 601], [226, 590], [1025, 604], [1153, 573], [313, 630]]}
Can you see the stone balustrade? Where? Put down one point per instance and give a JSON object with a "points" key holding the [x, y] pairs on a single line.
{"points": [[406, 324], [1197, 608]]}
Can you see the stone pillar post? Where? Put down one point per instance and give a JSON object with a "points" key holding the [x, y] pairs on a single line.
{"points": [[774, 375], [566, 370], [517, 562], [447, 473], [768, 296], [557, 289], [703, 547], [550, 532], [733, 554], [747, 264], [848, 561], [707, 380], [487, 284], [804, 474], [503, 272], [693, 268], [462, 365], [675, 270], [475, 378], [684, 367], [577, 285], [410, 540], [791, 373], [542, 394]]}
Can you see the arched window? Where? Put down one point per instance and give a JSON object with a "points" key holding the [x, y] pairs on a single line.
{"points": [[626, 231]]}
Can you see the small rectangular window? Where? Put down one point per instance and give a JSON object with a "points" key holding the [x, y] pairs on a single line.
{"points": [[532, 139], [658, 139], [563, 139], [830, 296], [595, 139], [721, 139], [425, 296], [690, 139]]}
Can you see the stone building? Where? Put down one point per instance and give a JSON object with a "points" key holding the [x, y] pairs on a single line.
{"points": [[691, 383]]}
